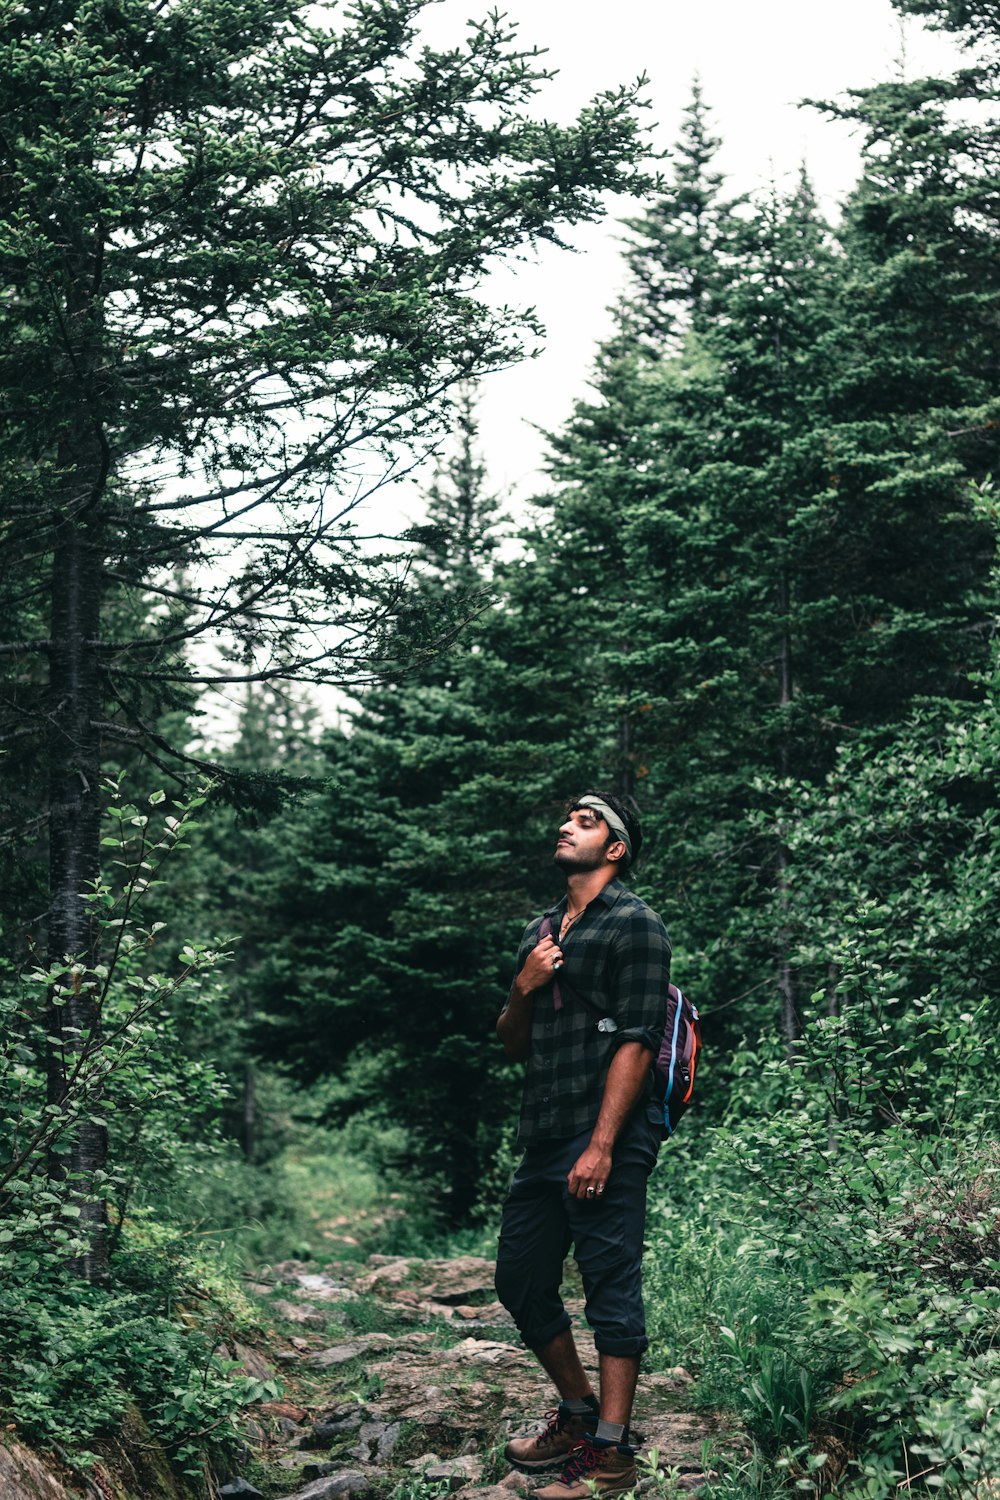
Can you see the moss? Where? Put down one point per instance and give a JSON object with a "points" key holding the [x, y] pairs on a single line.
{"points": [[134, 1466]]}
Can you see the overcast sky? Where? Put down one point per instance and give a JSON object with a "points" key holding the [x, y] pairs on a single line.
{"points": [[756, 59]]}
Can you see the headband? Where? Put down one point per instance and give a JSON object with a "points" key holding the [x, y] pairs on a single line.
{"points": [[612, 819]]}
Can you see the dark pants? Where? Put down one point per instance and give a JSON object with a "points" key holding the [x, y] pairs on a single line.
{"points": [[540, 1222]]}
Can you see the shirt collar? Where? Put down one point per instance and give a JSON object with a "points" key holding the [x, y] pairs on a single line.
{"points": [[609, 895]]}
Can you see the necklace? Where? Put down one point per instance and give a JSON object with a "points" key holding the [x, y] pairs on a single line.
{"points": [[568, 921]]}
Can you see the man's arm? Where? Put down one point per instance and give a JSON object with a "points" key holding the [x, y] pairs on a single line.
{"points": [[623, 1088], [514, 1023]]}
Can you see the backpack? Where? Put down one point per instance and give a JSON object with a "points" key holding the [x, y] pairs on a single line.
{"points": [[677, 1059]]}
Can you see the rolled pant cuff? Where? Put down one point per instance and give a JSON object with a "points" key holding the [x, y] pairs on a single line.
{"points": [[632, 1348], [537, 1338]]}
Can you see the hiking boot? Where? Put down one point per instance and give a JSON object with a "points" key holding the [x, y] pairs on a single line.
{"points": [[593, 1469], [550, 1448]]}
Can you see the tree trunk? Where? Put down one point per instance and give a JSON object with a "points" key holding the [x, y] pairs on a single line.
{"points": [[75, 825], [249, 1092], [786, 980]]}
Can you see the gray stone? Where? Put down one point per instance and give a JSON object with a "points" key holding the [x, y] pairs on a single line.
{"points": [[457, 1472], [23, 1476], [387, 1442], [332, 1424], [289, 1270], [340, 1354], [376, 1440], [255, 1365], [364, 1343], [241, 1487], [302, 1313], [318, 1471], [347, 1483], [325, 1289], [501, 1491]]}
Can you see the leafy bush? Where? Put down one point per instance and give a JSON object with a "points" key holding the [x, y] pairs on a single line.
{"points": [[849, 1305], [75, 1354]]}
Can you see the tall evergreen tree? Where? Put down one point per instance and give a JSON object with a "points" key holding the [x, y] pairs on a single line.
{"points": [[391, 893], [772, 511], [239, 260]]}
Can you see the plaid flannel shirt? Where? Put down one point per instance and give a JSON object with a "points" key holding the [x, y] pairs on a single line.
{"points": [[616, 965]]}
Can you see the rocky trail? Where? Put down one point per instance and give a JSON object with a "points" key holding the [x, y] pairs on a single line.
{"points": [[405, 1375]]}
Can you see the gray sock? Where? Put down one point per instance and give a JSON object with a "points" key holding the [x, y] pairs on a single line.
{"points": [[611, 1432], [581, 1406]]}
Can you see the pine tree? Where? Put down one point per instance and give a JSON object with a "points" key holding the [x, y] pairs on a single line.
{"points": [[391, 889], [239, 260], [780, 543]]}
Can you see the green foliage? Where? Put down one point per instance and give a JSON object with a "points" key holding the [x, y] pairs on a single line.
{"points": [[848, 1305], [75, 1356]]}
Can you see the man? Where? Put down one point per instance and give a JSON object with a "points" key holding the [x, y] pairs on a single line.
{"points": [[585, 1013]]}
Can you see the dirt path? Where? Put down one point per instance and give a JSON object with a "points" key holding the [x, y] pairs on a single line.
{"points": [[407, 1372]]}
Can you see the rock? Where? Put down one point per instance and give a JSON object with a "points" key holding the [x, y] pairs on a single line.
{"points": [[376, 1441], [318, 1471], [324, 1288], [287, 1356], [461, 1279], [482, 1351], [300, 1344], [255, 1365], [519, 1483], [342, 1354], [287, 1409], [288, 1270], [330, 1425], [387, 1442], [315, 1281], [298, 1312], [456, 1472], [25, 1477], [466, 1279], [437, 1309], [501, 1491], [241, 1487], [679, 1373], [347, 1482]]}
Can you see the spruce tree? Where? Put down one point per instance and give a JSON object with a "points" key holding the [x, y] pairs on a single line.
{"points": [[239, 260], [390, 894]]}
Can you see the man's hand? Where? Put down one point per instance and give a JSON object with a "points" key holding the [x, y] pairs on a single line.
{"points": [[622, 1089], [514, 1026], [589, 1175], [541, 965]]}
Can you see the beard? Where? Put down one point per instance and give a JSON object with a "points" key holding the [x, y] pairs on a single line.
{"points": [[574, 861]]}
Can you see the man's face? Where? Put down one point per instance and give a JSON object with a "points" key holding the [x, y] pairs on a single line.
{"points": [[583, 841]]}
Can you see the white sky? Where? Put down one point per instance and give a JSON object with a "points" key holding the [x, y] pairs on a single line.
{"points": [[756, 59]]}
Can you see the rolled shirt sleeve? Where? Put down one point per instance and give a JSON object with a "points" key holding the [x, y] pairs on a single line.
{"points": [[639, 975]]}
